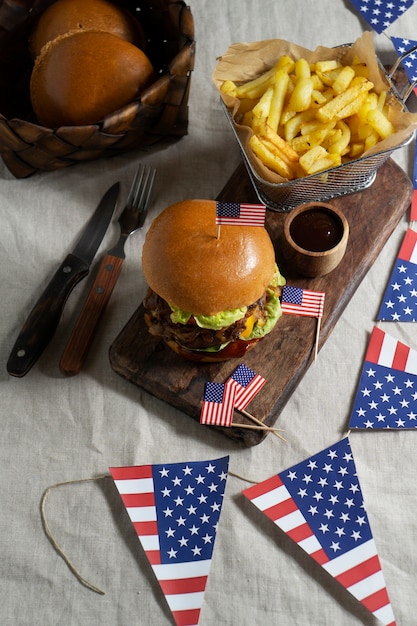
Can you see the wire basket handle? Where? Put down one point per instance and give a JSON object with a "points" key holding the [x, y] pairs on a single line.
{"points": [[394, 68]]}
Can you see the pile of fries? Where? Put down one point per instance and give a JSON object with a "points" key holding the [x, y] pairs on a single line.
{"points": [[307, 118]]}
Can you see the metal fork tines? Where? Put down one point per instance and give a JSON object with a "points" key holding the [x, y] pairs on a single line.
{"points": [[134, 214], [131, 219]]}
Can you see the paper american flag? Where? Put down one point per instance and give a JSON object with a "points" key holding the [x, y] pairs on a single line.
{"points": [[318, 503], [175, 510], [386, 397], [218, 404], [297, 301], [380, 14], [248, 383], [235, 213], [399, 303]]}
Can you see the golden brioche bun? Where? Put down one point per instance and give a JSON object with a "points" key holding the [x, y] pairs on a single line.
{"points": [[67, 15], [82, 76], [186, 264]]}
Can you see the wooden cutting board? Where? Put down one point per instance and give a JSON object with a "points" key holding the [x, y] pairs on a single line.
{"points": [[285, 355]]}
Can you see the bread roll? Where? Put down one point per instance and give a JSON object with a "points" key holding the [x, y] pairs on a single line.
{"points": [[67, 15], [82, 76]]}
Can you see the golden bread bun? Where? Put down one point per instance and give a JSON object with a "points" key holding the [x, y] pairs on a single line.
{"points": [[67, 15], [82, 76], [186, 264]]}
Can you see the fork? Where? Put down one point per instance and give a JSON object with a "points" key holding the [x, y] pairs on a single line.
{"points": [[131, 219]]}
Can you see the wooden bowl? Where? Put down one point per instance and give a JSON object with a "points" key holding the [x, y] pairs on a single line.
{"points": [[315, 238]]}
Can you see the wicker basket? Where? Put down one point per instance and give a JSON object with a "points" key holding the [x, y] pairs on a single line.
{"points": [[161, 113]]}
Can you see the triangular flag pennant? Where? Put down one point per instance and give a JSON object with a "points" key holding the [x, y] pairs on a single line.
{"points": [[399, 303], [318, 503], [380, 14], [175, 509], [387, 392], [409, 62]]}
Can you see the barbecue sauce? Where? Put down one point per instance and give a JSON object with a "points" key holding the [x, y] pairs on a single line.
{"points": [[316, 230]]}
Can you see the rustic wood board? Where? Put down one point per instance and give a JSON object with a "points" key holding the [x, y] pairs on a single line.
{"points": [[285, 355]]}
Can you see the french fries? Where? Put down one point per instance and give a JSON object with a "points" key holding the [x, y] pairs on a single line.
{"points": [[307, 118]]}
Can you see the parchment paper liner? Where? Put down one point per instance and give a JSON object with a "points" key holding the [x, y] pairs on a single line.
{"points": [[244, 61]]}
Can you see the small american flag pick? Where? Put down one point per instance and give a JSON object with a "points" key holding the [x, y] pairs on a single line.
{"points": [[236, 214], [297, 301], [386, 397], [380, 14], [248, 383], [318, 503], [175, 510], [218, 404], [399, 303]]}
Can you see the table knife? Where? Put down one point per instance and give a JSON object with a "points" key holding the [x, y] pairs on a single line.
{"points": [[42, 322]]}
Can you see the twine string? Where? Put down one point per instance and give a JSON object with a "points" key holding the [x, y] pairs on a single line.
{"points": [[51, 537], [55, 543]]}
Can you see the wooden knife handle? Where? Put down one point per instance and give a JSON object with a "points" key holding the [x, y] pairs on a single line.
{"points": [[42, 322], [77, 347]]}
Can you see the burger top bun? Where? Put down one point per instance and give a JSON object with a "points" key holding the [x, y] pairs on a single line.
{"points": [[68, 15], [188, 266], [82, 76]]}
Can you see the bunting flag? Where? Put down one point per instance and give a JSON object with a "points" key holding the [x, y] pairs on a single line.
{"points": [[409, 63], [248, 383], [236, 214], [386, 397], [218, 404], [399, 303], [318, 503], [380, 14], [175, 511], [297, 301], [413, 212]]}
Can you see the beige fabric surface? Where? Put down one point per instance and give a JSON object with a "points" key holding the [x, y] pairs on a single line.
{"points": [[57, 429]]}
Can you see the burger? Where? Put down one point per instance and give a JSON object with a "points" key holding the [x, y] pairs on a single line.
{"points": [[213, 292]]}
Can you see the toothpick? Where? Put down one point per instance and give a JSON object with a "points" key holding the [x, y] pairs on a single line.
{"points": [[263, 426], [317, 339], [218, 231]]}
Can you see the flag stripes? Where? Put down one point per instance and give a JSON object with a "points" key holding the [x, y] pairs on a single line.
{"points": [[178, 547], [383, 349], [357, 568], [218, 404], [297, 301], [238, 214], [408, 249], [247, 382]]}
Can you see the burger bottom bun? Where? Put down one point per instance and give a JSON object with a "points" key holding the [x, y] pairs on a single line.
{"points": [[234, 350], [83, 76]]}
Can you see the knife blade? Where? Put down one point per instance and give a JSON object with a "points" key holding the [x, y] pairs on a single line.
{"points": [[42, 322]]}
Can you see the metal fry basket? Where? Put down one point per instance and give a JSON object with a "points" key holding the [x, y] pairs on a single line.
{"points": [[344, 179]]}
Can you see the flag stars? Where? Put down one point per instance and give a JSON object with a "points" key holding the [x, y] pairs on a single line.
{"points": [[292, 475]]}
